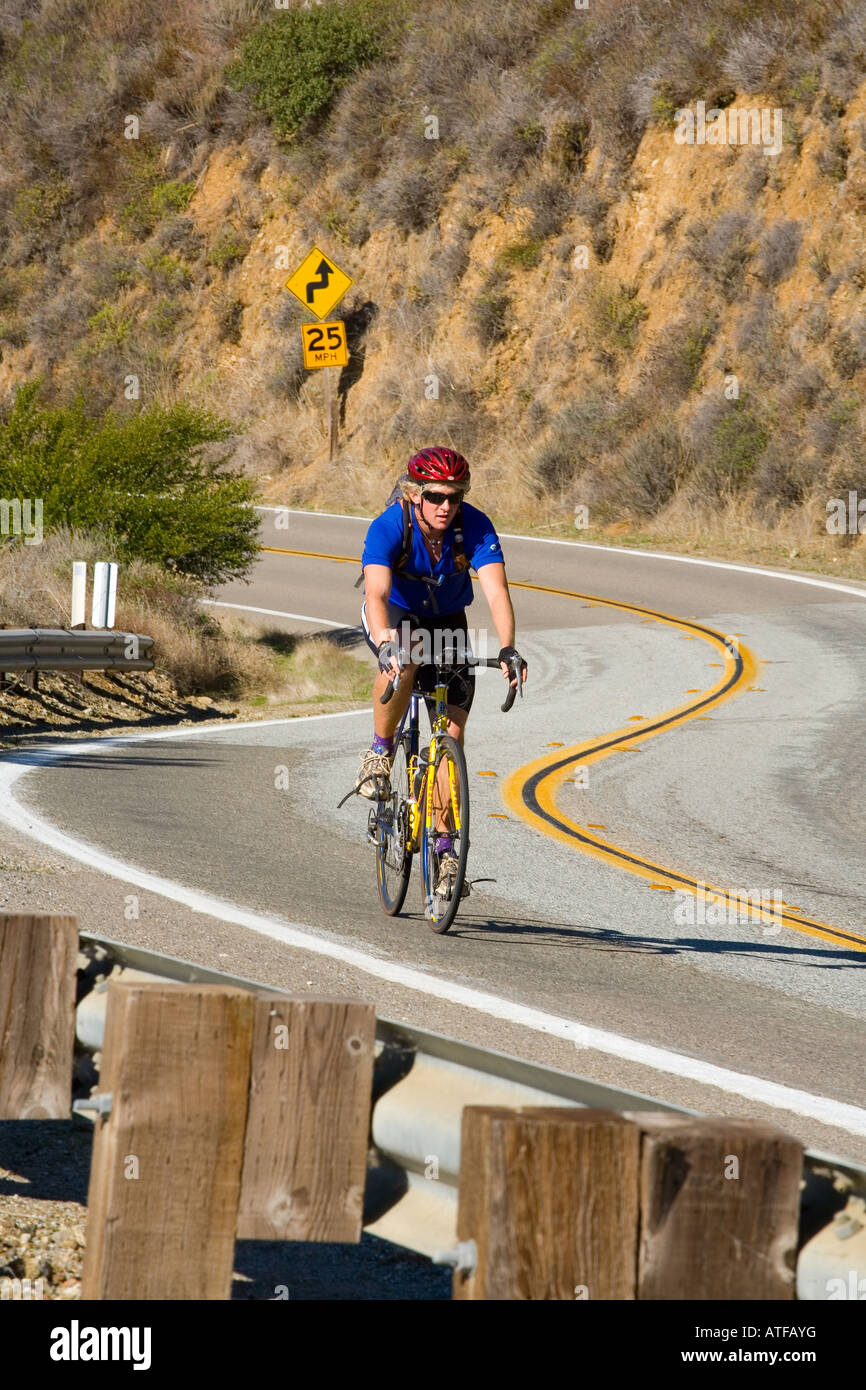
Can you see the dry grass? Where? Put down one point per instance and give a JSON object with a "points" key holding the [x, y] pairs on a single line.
{"points": [[199, 653], [738, 529]]}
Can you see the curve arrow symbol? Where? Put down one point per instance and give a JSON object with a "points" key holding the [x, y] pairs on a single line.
{"points": [[324, 273]]}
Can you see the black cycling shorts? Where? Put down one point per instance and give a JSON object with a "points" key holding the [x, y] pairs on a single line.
{"points": [[461, 685]]}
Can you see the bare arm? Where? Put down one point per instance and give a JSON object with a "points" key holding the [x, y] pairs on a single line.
{"points": [[494, 586], [377, 588]]}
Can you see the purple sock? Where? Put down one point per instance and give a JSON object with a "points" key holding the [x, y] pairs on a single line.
{"points": [[444, 844], [383, 745]]}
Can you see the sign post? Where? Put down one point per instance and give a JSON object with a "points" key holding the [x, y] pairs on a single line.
{"points": [[319, 284]]}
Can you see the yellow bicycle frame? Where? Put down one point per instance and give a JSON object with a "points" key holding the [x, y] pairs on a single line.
{"points": [[439, 726]]}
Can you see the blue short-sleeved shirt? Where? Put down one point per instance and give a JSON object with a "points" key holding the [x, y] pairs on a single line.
{"points": [[383, 544]]}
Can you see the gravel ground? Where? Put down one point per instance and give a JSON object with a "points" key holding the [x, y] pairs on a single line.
{"points": [[43, 1188], [44, 1167]]}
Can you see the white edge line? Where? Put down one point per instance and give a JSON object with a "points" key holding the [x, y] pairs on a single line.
{"points": [[626, 550], [823, 1109], [277, 613]]}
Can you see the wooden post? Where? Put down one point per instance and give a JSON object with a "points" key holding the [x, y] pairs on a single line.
{"points": [[311, 1086], [720, 1208], [332, 402], [166, 1167], [550, 1197], [38, 958]]}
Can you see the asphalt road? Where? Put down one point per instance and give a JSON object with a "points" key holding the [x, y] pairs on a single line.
{"points": [[762, 793]]}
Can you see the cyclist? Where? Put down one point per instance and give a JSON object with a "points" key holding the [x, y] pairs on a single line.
{"points": [[416, 559]]}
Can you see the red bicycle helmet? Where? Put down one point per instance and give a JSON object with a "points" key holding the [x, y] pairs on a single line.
{"points": [[439, 465]]}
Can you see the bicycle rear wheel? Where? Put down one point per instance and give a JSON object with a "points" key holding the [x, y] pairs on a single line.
{"points": [[441, 909], [393, 861]]}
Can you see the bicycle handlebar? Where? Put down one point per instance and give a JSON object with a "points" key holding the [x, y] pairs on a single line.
{"points": [[513, 666]]}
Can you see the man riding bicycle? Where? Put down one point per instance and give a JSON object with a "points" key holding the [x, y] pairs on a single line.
{"points": [[416, 562]]}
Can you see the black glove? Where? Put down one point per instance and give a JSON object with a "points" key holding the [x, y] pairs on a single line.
{"points": [[390, 651], [510, 654]]}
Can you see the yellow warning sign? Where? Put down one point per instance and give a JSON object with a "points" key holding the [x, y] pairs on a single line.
{"points": [[318, 283], [324, 344]]}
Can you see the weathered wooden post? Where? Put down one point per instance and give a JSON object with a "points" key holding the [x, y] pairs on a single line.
{"points": [[168, 1148], [311, 1087], [720, 1208], [550, 1198], [38, 960]]}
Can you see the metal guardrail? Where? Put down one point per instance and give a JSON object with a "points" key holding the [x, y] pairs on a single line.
{"points": [[69, 649], [422, 1081]]}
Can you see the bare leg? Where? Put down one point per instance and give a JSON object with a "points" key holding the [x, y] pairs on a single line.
{"points": [[387, 717], [442, 799]]}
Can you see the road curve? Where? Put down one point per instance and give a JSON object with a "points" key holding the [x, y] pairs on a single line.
{"points": [[629, 972]]}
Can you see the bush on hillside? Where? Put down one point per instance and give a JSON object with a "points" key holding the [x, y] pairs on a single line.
{"points": [[778, 250], [296, 61], [728, 439], [143, 479], [489, 312], [722, 249]]}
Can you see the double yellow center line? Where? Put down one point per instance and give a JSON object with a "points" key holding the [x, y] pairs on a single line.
{"points": [[531, 790]]}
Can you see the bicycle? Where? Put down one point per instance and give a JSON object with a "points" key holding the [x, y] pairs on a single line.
{"points": [[423, 796]]}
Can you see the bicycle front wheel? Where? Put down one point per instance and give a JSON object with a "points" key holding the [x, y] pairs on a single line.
{"points": [[449, 808], [393, 861]]}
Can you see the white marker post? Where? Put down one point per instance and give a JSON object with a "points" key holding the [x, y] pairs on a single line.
{"points": [[111, 600], [100, 594], [79, 593]]}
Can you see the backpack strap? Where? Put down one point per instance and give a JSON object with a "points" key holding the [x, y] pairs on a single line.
{"points": [[405, 551], [406, 544], [461, 561]]}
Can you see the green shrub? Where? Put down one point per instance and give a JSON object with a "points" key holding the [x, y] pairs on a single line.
{"points": [[143, 479], [110, 327], [558, 62], [38, 205], [664, 110], [618, 315], [675, 362], [165, 272], [296, 61], [228, 249], [164, 316], [13, 330], [805, 86], [737, 440], [520, 255], [143, 212]]}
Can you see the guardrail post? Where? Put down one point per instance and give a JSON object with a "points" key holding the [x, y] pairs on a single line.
{"points": [[309, 1118], [167, 1155], [553, 1200], [720, 1208], [38, 958], [525, 1176]]}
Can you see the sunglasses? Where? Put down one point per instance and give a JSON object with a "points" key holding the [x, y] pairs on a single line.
{"points": [[440, 498]]}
